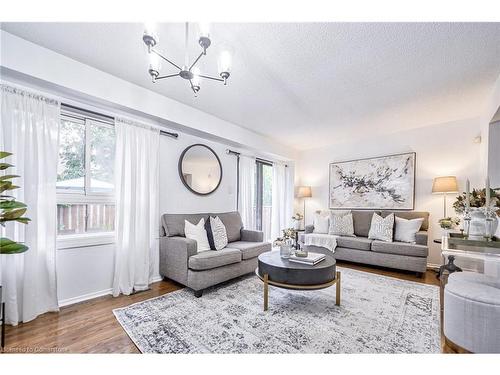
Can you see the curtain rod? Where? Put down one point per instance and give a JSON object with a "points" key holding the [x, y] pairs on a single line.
{"points": [[236, 153], [65, 106]]}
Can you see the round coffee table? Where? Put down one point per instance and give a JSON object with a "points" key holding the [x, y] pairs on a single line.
{"points": [[280, 272]]}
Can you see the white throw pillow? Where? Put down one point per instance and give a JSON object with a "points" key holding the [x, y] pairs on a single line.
{"points": [[406, 230], [198, 233], [218, 232], [341, 224], [381, 228], [321, 223]]}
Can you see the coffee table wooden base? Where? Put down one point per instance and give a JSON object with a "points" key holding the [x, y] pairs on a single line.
{"points": [[268, 282]]}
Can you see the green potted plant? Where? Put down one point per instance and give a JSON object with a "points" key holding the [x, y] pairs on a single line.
{"points": [[10, 210]]}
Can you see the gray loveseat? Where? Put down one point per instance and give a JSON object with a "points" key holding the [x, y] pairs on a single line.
{"points": [[181, 262], [399, 255]]}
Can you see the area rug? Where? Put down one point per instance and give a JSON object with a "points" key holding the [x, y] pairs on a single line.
{"points": [[378, 314]]}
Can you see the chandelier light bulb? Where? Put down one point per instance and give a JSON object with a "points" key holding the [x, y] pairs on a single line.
{"points": [[149, 37], [196, 76], [154, 66], [204, 38], [224, 63], [204, 29]]}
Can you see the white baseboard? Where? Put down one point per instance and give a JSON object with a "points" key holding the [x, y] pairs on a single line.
{"points": [[84, 297], [105, 292]]}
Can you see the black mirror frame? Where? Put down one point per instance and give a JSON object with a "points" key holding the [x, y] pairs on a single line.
{"points": [[181, 158]]}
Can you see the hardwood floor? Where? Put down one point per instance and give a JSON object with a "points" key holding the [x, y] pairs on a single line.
{"points": [[90, 326]]}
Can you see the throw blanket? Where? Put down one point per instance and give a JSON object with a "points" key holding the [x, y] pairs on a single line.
{"points": [[321, 240]]}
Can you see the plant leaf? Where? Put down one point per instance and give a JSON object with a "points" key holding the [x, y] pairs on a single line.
{"points": [[23, 220], [8, 176], [14, 214], [10, 247], [9, 205], [4, 154], [5, 166]]}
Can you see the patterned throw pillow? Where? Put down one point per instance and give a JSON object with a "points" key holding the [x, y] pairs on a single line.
{"points": [[381, 228], [341, 224], [216, 233]]}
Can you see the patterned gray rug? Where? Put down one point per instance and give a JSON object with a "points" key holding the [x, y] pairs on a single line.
{"points": [[378, 314]]}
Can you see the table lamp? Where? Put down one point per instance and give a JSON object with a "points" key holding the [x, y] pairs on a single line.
{"points": [[444, 185], [304, 192]]}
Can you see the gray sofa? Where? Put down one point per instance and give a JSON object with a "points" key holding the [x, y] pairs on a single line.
{"points": [[181, 262], [398, 255]]}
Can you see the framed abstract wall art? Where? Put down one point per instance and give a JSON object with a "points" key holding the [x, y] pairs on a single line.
{"points": [[385, 182]]}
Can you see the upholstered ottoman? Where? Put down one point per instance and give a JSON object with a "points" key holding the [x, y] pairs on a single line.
{"points": [[472, 312]]}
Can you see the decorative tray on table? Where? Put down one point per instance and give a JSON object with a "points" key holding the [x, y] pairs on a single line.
{"points": [[460, 239]]}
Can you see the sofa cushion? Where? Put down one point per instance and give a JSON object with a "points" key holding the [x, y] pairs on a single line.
{"points": [[213, 259], [358, 243], [173, 224], [400, 248], [411, 215], [232, 222], [250, 249], [362, 221]]}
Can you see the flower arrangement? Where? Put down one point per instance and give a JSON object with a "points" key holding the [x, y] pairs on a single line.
{"points": [[287, 237], [477, 198], [449, 222], [297, 217]]}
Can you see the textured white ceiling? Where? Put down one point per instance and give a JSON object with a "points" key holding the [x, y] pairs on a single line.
{"points": [[307, 84]]}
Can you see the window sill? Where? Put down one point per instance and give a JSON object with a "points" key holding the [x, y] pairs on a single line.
{"points": [[85, 240]]}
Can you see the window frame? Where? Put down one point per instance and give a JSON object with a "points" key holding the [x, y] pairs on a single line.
{"points": [[86, 196]]}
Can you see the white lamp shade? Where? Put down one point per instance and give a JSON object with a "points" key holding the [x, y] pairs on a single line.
{"points": [[304, 192], [445, 184]]}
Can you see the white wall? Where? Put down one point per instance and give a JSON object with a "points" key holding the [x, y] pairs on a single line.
{"points": [[444, 149]]}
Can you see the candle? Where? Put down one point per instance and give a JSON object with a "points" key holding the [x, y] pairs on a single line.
{"points": [[487, 192], [467, 192]]}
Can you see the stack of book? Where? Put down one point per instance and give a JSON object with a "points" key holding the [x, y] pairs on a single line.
{"points": [[311, 259]]}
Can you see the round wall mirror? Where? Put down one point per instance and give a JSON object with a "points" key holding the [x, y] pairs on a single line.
{"points": [[200, 169]]}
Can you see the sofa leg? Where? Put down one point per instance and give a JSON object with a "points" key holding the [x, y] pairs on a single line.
{"points": [[198, 293], [419, 274]]}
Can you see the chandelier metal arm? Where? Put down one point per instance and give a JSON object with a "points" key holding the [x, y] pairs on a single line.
{"points": [[213, 78], [164, 58], [167, 76], [195, 61]]}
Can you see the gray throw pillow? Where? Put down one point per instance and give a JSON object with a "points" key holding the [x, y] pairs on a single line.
{"points": [[381, 228], [341, 224]]}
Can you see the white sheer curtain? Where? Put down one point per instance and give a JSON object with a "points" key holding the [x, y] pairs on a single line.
{"points": [[282, 201], [136, 227], [29, 128], [246, 202]]}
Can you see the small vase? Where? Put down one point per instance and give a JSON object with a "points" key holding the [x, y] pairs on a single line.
{"points": [[285, 251], [296, 225]]}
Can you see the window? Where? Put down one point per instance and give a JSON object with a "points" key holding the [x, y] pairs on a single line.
{"points": [[85, 185], [263, 197]]}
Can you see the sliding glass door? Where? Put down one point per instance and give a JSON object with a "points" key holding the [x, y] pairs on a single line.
{"points": [[263, 197]]}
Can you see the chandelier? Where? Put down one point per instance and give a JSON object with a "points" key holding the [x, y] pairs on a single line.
{"points": [[188, 71]]}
